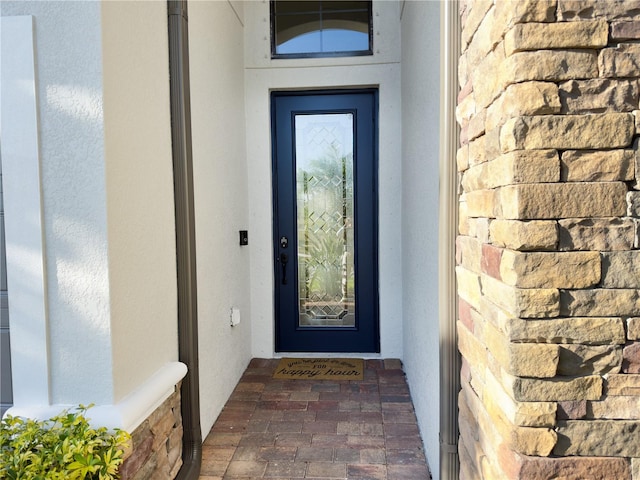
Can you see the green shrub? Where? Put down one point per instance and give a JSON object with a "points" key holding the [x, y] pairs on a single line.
{"points": [[65, 447]]}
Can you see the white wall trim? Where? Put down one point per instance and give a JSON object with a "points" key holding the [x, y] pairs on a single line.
{"points": [[127, 414], [23, 212]]}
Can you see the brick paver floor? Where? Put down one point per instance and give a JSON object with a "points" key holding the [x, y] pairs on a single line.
{"points": [[317, 429]]}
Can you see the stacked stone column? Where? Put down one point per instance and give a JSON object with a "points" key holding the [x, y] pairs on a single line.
{"points": [[548, 261]]}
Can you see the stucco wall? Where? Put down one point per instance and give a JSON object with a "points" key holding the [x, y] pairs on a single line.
{"points": [[139, 180], [420, 140], [69, 72], [107, 208], [221, 199], [263, 75]]}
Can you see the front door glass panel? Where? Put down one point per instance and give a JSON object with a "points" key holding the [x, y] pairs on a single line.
{"points": [[325, 206]]}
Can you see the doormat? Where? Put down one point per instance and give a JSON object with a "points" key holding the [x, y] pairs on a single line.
{"points": [[320, 369]]}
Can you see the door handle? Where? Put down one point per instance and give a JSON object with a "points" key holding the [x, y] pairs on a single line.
{"points": [[284, 258]]}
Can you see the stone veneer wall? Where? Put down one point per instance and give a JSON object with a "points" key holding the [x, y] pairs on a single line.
{"points": [[156, 446], [548, 261]]}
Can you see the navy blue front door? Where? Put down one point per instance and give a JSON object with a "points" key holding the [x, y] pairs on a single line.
{"points": [[325, 231]]}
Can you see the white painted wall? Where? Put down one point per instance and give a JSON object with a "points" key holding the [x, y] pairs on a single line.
{"points": [[264, 75], [216, 42], [107, 201], [139, 182], [420, 187], [69, 72]]}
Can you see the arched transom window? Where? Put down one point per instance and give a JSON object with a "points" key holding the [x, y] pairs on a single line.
{"points": [[317, 28]]}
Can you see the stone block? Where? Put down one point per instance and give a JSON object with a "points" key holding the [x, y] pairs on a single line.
{"points": [[499, 404], [622, 385], [476, 125], [598, 95], [625, 30], [522, 166], [597, 234], [462, 158], [527, 98], [555, 389], [473, 19], [479, 228], [466, 109], [484, 40], [524, 236], [525, 11], [557, 201], [465, 90], [600, 302], [614, 408], [488, 82], [548, 66], [490, 263], [526, 440], [469, 453], [533, 441], [631, 358], [586, 331], [573, 468], [523, 303], [621, 269], [463, 70], [463, 217], [633, 204], [485, 147], [465, 315], [469, 253], [481, 203], [536, 360], [548, 36], [587, 9], [633, 328], [568, 132], [600, 438], [162, 429], [550, 269], [470, 347], [589, 359], [466, 415], [620, 61], [572, 410], [139, 458], [494, 314], [597, 166]]}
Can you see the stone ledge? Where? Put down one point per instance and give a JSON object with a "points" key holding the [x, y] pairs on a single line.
{"points": [[600, 438], [546, 36], [521, 467]]}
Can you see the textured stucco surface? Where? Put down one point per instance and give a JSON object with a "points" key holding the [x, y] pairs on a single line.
{"points": [[107, 195], [221, 199], [420, 178], [69, 70], [139, 179]]}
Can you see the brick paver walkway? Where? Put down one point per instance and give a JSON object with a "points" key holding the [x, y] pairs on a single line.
{"points": [[317, 429]]}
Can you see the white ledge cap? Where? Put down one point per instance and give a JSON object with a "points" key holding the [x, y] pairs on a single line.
{"points": [[127, 414]]}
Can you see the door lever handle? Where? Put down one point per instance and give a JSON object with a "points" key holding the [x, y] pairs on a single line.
{"points": [[284, 258]]}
